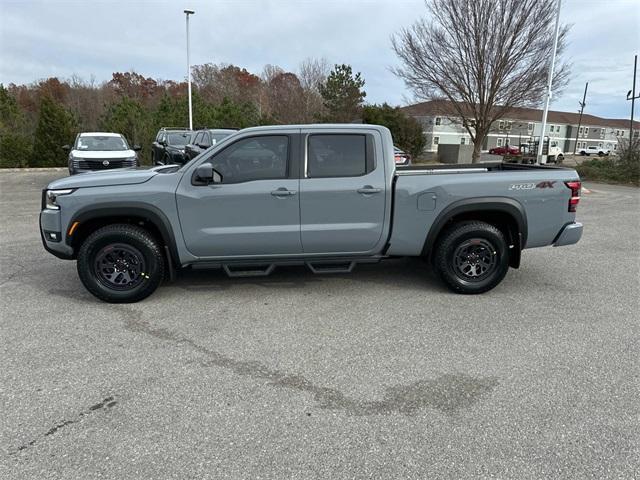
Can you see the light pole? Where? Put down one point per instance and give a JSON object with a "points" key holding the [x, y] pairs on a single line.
{"points": [[632, 96], [582, 104], [187, 13], [548, 96]]}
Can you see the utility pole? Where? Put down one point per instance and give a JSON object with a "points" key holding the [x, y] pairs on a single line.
{"points": [[582, 104], [632, 96], [548, 95], [187, 13]]}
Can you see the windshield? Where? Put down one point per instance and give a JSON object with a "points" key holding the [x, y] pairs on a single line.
{"points": [[101, 144], [178, 138], [216, 137]]}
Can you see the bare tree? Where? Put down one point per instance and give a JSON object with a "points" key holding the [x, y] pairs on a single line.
{"points": [[285, 97], [312, 73], [215, 82], [483, 56]]}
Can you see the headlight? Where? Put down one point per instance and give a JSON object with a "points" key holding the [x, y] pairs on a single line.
{"points": [[52, 195]]}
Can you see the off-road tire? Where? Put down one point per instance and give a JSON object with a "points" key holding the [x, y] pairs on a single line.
{"points": [[474, 235], [136, 240]]}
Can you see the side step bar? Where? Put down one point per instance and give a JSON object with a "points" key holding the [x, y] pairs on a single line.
{"points": [[331, 267], [236, 271], [257, 269]]}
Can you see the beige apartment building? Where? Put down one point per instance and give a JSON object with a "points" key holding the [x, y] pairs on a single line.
{"points": [[441, 125]]}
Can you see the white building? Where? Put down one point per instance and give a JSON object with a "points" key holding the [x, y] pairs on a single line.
{"points": [[441, 125]]}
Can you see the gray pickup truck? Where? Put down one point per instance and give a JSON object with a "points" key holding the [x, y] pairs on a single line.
{"points": [[325, 196]]}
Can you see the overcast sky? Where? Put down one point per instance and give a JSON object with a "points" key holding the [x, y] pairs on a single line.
{"points": [[59, 38]]}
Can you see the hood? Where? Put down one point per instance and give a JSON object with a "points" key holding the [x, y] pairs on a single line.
{"points": [[104, 178], [177, 148], [104, 154]]}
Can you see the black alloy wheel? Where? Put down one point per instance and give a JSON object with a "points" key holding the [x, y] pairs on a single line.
{"points": [[471, 257], [475, 259], [120, 266], [121, 263]]}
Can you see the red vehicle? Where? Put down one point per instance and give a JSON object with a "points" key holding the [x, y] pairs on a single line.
{"points": [[506, 150], [402, 158]]}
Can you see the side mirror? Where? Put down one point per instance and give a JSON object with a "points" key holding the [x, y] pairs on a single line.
{"points": [[206, 174], [137, 148], [66, 148]]}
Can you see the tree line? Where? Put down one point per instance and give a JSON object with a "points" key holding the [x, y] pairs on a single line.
{"points": [[483, 57], [36, 120]]}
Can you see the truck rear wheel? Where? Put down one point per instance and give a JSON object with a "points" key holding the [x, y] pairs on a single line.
{"points": [[472, 257], [120, 263]]}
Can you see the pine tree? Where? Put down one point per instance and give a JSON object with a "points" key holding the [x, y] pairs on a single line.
{"points": [[230, 114], [342, 94], [56, 127], [15, 145], [406, 131], [129, 118]]}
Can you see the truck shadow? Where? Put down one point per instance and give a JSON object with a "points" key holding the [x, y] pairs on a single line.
{"points": [[403, 273]]}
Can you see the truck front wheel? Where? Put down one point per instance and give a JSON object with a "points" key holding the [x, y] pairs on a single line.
{"points": [[472, 257], [120, 263]]}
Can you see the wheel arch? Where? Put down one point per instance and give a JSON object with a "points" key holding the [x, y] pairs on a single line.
{"points": [[150, 217], [506, 214]]}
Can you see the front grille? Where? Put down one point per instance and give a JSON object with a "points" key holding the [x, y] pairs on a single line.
{"points": [[98, 164]]}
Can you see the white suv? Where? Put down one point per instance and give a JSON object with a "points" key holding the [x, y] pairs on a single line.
{"points": [[101, 151], [595, 150]]}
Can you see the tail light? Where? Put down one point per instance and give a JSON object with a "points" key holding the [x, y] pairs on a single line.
{"points": [[575, 194]]}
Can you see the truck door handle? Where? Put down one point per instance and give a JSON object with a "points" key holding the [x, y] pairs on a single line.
{"points": [[368, 189], [283, 192]]}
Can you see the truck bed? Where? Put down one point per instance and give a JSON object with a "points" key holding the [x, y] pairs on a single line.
{"points": [[423, 194], [436, 169]]}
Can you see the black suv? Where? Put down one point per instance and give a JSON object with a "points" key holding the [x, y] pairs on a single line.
{"points": [[168, 147], [203, 139]]}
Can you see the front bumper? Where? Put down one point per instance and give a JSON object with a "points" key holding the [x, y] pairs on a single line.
{"points": [[92, 165], [569, 235], [50, 224]]}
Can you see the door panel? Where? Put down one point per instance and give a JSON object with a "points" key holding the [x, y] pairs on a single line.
{"points": [[241, 219], [255, 210], [341, 214], [157, 149]]}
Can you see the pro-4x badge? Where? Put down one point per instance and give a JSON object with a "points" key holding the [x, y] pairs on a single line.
{"points": [[522, 186], [531, 186]]}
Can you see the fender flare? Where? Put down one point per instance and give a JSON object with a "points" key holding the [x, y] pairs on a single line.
{"points": [[481, 204], [148, 212]]}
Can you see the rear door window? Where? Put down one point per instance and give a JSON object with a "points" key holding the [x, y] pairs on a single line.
{"points": [[338, 155]]}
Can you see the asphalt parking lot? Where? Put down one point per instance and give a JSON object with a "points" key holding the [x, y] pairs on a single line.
{"points": [[378, 374]]}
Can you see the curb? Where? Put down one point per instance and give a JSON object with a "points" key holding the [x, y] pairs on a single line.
{"points": [[34, 169]]}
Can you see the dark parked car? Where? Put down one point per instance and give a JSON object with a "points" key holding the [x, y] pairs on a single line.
{"points": [[402, 158], [204, 139], [168, 147]]}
